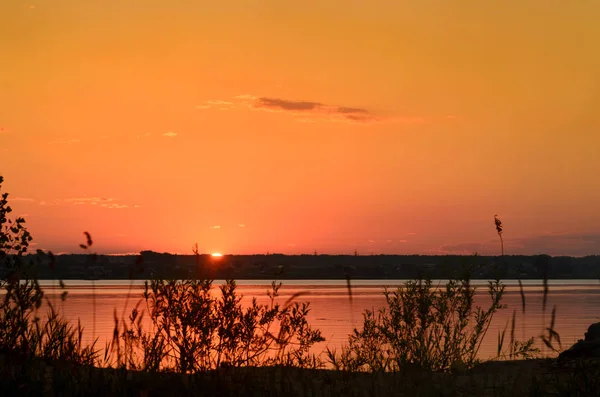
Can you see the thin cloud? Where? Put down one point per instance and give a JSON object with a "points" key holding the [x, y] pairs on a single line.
{"points": [[216, 227], [22, 199], [576, 244], [316, 110], [241, 225], [89, 199], [351, 110], [246, 97], [218, 102], [308, 111], [104, 202], [464, 248], [170, 134], [556, 244], [275, 103], [115, 206]]}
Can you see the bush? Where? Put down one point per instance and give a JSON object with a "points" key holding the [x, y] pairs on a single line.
{"points": [[194, 331], [433, 328], [21, 330]]}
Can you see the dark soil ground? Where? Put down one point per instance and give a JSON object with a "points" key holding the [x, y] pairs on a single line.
{"points": [[21, 377]]}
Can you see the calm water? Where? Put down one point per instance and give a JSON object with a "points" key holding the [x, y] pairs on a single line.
{"points": [[577, 301]]}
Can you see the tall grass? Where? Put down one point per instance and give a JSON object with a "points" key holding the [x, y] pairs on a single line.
{"points": [[548, 336]]}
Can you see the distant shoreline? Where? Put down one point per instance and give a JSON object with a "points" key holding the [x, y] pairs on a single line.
{"points": [[149, 265]]}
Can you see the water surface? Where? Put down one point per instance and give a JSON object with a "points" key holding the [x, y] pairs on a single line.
{"points": [[577, 303]]}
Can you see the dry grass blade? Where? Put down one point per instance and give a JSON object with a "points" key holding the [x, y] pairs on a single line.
{"points": [[512, 333], [349, 287], [501, 336], [523, 305], [293, 297], [551, 330], [546, 291], [522, 292], [498, 225], [88, 238]]}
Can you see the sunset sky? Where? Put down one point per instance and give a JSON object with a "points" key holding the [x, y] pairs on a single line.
{"points": [[281, 126]]}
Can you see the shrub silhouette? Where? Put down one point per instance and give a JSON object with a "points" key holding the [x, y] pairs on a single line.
{"points": [[421, 325], [193, 330], [21, 329]]}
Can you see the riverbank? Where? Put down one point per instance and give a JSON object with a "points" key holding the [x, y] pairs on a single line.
{"points": [[541, 377], [149, 265]]}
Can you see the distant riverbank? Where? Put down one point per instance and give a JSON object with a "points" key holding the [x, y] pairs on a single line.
{"points": [[150, 264]]}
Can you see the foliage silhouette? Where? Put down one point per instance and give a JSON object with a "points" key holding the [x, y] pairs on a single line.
{"points": [[421, 325]]}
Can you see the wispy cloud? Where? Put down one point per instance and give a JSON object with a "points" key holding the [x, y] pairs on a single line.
{"points": [[22, 199], [219, 103], [103, 202], [114, 206], [241, 225], [246, 97], [308, 111], [464, 248], [282, 104], [215, 227], [89, 200], [575, 244], [170, 134]]}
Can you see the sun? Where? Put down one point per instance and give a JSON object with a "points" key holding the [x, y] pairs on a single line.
{"points": [[216, 255]]}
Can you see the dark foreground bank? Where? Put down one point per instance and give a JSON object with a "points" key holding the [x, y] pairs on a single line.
{"points": [[20, 377]]}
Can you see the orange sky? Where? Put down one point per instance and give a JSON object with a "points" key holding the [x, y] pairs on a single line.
{"points": [[254, 126]]}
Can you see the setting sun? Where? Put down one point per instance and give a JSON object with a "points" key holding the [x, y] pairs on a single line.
{"points": [[216, 255]]}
